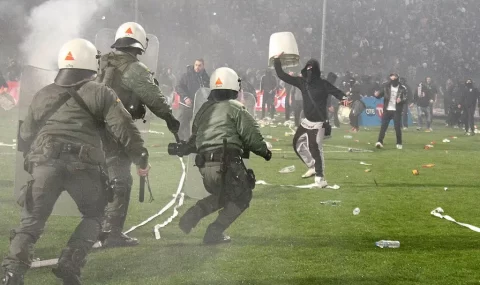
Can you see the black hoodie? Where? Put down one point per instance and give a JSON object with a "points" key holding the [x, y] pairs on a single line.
{"points": [[190, 82], [319, 89]]}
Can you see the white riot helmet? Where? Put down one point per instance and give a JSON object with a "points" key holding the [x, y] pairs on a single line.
{"points": [[78, 54], [225, 78], [131, 34], [78, 63]]}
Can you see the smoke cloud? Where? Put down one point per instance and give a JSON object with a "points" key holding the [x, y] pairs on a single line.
{"points": [[52, 24]]}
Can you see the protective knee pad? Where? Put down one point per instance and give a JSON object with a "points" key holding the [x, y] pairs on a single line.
{"points": [[243, 201], [86, 233], [72, 260], [122, 186]]}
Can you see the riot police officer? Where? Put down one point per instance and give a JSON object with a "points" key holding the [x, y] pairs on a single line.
{"points": [[222, 130], [134, 84], [63, 152]]}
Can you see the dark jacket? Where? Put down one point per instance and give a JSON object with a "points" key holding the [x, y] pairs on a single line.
{"points": [[470, 97], [355, 92], [423, 95], [386, 93], [268, 84], [315, 90], [191, 82]]}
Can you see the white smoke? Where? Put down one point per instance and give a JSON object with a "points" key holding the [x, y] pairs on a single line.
{"points": [[52, 24]]}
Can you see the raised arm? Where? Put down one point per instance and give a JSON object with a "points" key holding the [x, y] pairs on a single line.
{"points": [[292, 80]]}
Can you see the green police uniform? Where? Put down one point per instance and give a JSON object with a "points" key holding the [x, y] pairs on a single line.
{"points": [[215, 122], [135, 86], [65, 155]]}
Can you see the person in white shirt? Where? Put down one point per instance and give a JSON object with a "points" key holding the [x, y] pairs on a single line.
{"points": [[395, 95]]}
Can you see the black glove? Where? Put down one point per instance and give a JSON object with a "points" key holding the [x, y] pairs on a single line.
{"points": [[268, 156], [172, 123]]}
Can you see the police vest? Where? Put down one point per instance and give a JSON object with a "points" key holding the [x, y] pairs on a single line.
{"points": [[110, 74]]}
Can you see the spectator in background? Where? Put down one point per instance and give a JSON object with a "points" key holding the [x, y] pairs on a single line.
{"points": [[447, 94], [456, 100], [423, 99], [434, 94], [470, 99], [403, 81], [394, 95], [195, 78], [354, 100], [268, 86]]}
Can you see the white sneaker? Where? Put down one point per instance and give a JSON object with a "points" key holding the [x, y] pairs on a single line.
{"points": [[310, 172], [399, 146], [320, 182], [379, 145]]}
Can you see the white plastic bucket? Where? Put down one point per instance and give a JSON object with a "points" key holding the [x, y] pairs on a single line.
{"points": [[284, 42]]}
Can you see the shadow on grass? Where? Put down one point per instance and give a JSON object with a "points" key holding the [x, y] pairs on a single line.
{"points": [[312, 280], [364, 243]]}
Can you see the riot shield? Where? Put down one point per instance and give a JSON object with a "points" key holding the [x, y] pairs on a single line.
{"points": [[150, 57], [193, 183], [32, 80], [104, 39], [249, 101]]}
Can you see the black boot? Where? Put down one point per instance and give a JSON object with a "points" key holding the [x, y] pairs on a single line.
{"points": [[118, 239], [69, 266], [10, 278], [215, 235]]}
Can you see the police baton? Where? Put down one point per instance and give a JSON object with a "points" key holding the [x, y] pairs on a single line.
{"points": [[143, 165]]}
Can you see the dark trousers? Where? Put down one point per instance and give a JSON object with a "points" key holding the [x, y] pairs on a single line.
{"points": [[397, 122], [469, 118], [454, 115], [83, 182], [119, 168], [336, 121], [268, 103], [354, 122], [308, 145], [405, 115]]}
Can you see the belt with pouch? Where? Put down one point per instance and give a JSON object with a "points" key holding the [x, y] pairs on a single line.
{"points": [[217, 155]]}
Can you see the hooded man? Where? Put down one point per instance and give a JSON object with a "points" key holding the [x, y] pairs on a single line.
{"points": [[395, 95], [308, 139]]}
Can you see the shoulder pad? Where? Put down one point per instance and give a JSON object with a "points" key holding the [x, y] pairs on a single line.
{"points": [[237, 104], [138, 67]]}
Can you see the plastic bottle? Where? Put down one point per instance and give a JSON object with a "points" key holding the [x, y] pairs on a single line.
{"points": [[331, 202], [347, 137], [388, 244]]}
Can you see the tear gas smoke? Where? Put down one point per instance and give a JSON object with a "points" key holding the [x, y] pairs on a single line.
{"points": [[52, 24]]}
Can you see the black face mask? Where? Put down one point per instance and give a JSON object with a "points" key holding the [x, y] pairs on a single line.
{"points": [[395, 82], [309, 74], [469, 84]]}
